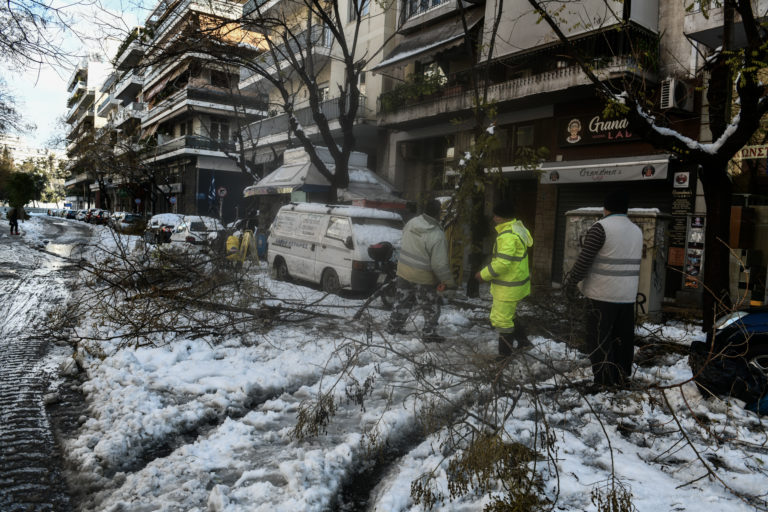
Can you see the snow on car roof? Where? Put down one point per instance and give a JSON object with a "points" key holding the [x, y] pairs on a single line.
{"points": [[352, 211], [211, 223], [167, 218]]}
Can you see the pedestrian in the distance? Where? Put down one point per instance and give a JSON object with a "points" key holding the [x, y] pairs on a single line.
{"points": [[423, 272], [509, 275], [608, 269], [13, 220]]}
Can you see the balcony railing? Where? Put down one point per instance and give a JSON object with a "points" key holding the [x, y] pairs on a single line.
{"points": [[457, 90], [134, 110], [167, 14], [192, 142], [86, 98], [321, 39], [226, 101], [129, 85], [280, 123], [106, 105]]}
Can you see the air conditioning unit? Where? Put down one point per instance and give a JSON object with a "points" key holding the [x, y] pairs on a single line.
{"points": [[676, 93]]}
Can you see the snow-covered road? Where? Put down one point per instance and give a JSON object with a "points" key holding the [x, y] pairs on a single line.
{"points": [[31, 283], [199, 425]]}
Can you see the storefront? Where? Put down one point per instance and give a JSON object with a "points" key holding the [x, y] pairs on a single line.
{"points": [[654, 181]]}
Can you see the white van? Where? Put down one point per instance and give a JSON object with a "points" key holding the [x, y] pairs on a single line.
{"points": [[328, 244]]}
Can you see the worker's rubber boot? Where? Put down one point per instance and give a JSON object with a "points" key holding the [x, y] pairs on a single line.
{"points": [[521, 337], [506, 344]]}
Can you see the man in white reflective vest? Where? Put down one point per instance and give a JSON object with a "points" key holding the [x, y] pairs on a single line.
{"points": [[510, 277], [423, 270], [608, 269]]}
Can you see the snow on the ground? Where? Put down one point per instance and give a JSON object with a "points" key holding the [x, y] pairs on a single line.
{"points": [[196, 426]]}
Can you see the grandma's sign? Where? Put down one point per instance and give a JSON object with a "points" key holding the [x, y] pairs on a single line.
{"points": [[580, 130]]}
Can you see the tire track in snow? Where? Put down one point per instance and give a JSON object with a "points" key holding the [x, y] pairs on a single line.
{"points": [[30, 474]]}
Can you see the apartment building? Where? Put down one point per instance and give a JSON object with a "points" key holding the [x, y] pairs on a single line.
{"points": [[191, 108], [121, 187], [543, 102], [83, 85], [303, 41]]}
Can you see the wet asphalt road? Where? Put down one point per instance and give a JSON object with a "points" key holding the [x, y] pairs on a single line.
{"points": [[31, 283]]}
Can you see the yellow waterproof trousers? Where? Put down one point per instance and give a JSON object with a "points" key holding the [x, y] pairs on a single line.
{"points": [[503, 315]]}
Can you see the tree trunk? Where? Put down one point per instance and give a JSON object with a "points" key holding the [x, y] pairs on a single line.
{"points": [[717, 194]]}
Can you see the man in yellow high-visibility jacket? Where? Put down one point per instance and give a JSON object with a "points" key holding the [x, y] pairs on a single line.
{"points": [[509, 275]]}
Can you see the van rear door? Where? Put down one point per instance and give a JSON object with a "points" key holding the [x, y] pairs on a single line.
{"points": [[333, 252]]}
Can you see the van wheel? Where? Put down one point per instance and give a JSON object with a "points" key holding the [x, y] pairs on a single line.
{"points": [[330, 281], [281, 270]]}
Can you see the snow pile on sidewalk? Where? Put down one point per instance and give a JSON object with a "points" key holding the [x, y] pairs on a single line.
{"points": [[196, 426]]}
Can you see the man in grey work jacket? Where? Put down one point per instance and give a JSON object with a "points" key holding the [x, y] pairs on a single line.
{"points": [[608, 268], [423, 270]]}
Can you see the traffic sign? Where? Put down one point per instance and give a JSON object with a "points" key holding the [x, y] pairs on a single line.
{"points": [[222, 192]]}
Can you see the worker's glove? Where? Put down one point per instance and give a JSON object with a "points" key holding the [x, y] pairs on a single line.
{"points": [[571, 292]]}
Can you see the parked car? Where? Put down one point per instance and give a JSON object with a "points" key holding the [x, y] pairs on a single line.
{"points": [[328, 245], [100, 217], [160, 227], [70, 214], [82, 214], [115, 217], [198, 230], [130, 223], [90, 214]]}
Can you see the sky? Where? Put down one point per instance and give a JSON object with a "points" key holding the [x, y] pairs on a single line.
{"points": [[40, 91]]}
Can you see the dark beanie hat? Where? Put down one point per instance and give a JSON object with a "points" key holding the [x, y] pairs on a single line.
{"points": [[433, 208], [505, 210], [617, 202]]}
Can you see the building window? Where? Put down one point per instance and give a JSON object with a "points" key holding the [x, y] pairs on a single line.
{"points": [[219, 79], [524, 136], [186, 128], [363, 5], [220, 129], [417, 7], [324, 93], [361, 83]]}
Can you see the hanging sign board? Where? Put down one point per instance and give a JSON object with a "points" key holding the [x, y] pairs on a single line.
{"points": [[753, 152]]}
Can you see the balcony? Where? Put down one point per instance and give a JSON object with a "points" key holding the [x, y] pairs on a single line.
{"points": [[128, 87], [321, 43], [396, 108], [261, 132], [131, 56], [167, 14], [131, 111], [189, 144], [707, 28], [108, 105], [251, 5], [123, 147], [85, 101], [204, 101], [80, 74]]}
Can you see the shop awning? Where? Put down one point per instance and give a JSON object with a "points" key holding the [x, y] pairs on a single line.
{"points": [[430, 40], [632, 168], [287, 178], [298, 173]]}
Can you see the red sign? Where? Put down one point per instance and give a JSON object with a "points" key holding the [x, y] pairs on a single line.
{"points": [[222, 192]]}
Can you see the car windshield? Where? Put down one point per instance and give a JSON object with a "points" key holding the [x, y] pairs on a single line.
{"points": [[369, 231], [130, 218], [200, 226]]}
